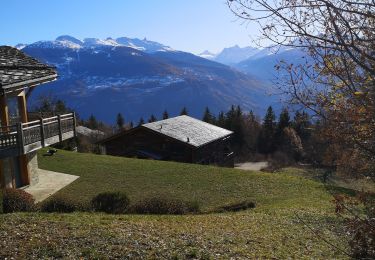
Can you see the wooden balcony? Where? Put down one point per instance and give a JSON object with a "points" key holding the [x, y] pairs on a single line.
{"points": [[27, 137]]}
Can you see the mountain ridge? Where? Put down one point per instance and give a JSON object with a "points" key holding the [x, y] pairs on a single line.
{"points": [[104, 78]]}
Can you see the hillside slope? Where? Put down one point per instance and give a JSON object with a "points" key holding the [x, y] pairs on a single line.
{"points": [[275, 229]]}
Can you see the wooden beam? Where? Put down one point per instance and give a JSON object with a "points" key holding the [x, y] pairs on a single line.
{"points": [[23, 161], [25, 171], [2, 180], [22, 107], [4, 111]]}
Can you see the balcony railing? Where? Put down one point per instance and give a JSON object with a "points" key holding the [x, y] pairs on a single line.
{"points": [[27, 137]]}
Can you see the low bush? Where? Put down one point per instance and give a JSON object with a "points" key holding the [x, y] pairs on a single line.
{"points": [[17, 201], [279, 160], [110, 202], [163, 205], [60, 205], [243, 205]]}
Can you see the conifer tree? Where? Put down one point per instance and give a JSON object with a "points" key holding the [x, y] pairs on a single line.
{"points": [[301, 124], [141, 121], [120, 121], [184, 111], [284, 122], [60, 107], [221, 119], [165, 114], [92, 123], [208, 117], [152, 119], [267, 135], [284, 119]]}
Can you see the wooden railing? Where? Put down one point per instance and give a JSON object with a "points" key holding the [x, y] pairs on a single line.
{"points": [[27, 137], [8, 137]]}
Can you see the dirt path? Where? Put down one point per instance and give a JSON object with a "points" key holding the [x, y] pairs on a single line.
{"points": [[251, 166]]}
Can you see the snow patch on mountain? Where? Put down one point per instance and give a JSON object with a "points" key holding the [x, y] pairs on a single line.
{"points": [[143, 45], [20, 46], [94, 42], [207, 55], [55, 45], [235, 54], [96, 82]]}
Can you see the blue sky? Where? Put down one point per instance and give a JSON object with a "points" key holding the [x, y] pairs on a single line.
{"points": [[188, 25]]}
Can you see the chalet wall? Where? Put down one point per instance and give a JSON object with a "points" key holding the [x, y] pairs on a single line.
{"points": [[131, 144], [216, 153]]}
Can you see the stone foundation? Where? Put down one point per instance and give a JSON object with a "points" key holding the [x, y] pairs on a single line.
{"points": [[11, 171], [32, 165], [6, 170]]}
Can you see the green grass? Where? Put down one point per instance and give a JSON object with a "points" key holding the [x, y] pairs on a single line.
{"points": [[210, 186], [288, 207]]}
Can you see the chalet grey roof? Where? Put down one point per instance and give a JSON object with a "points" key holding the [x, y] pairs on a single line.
{"points": [[18, 70], [189, 130]]}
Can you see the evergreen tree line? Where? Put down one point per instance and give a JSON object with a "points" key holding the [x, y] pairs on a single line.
{"points": [[293, 136], [255, 136]]}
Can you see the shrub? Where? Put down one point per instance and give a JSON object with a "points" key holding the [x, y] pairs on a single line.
{"points": [[278, 161], [110, 202], [1, 202], [59, 204], [163, 205], [244, 205], [17, 200]]}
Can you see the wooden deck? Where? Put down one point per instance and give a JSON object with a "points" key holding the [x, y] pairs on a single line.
{"points": [[27, 137]]}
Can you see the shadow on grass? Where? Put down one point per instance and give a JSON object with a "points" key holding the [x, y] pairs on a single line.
{"points": [[334, 190]]}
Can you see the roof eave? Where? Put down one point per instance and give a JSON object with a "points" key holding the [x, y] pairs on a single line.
{"points": [[28, 83]]}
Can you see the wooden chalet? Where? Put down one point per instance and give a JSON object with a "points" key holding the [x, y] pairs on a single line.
{"points": [[181, 139], [20, 138]]}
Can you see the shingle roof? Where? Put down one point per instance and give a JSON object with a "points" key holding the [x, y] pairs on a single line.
{"points": [[189, 130], [18, 70]]}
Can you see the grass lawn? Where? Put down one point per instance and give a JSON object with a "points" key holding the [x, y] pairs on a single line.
{"points": [[276, 228]]}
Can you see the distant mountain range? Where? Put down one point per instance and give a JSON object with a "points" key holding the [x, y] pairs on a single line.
{"points": [[258, 63], [231, 55], [141, 77]]}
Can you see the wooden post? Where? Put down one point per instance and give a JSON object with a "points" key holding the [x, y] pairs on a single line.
{"points": [[23, 161], [22, 108], [60, 130], [2, 181], [74, 124], [42, 141], [4, 111], [20, 141]]}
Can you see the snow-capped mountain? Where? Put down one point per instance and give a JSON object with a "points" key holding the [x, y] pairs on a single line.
{"points": [[235, 54], [231, 55], [140, 77], [262, 64], [208, 55], [69, 42], [258, 63]]}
